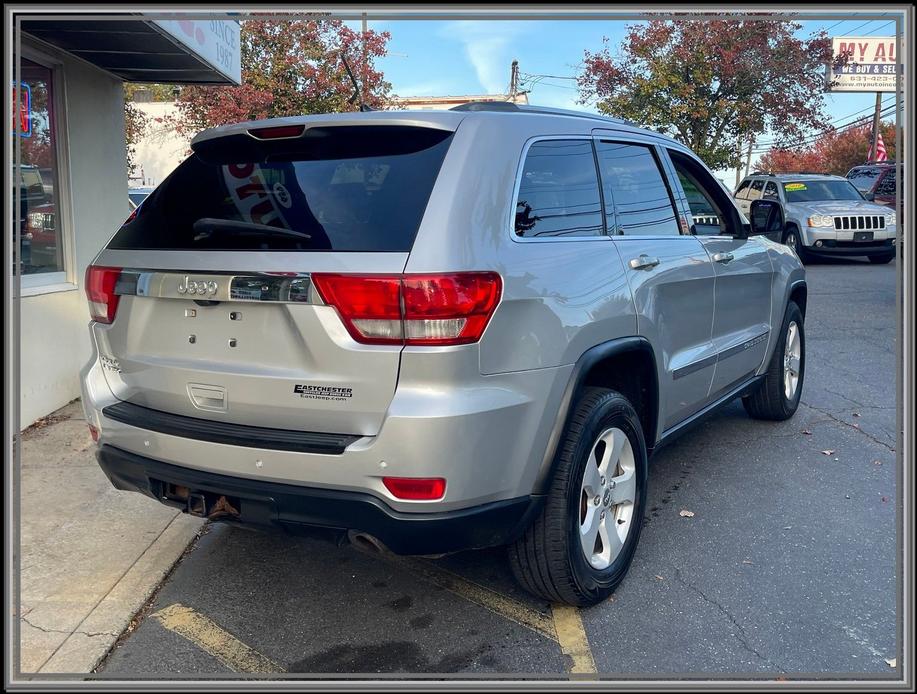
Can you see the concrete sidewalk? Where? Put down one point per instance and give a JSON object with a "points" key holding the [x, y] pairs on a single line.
{"points": [[90, 555]]}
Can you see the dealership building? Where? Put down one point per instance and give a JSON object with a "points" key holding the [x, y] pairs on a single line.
{"points": [[73, 182]]}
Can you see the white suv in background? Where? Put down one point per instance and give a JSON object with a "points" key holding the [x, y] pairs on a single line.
{"points": [[824, 215]]}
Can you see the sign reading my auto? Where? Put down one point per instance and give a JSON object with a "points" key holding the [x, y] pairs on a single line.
{"points": [[871, 64]]}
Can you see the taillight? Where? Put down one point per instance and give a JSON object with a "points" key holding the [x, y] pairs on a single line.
{"points": [[446, 309], [100, 290], [416, 488]]}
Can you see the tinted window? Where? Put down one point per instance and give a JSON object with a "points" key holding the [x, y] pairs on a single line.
{"points": [[770, 191], [757, 187], [811, 191], [864, 177], [345, 188], [559, 191], [636, 190], [887, 184]]}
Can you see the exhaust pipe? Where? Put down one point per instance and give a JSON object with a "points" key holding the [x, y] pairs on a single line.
{"points": [[368, 543]]}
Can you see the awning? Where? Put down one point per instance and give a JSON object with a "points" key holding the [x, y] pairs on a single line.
{"points": [[165, 51]]}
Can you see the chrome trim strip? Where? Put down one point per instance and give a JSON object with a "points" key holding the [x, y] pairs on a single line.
{"points": [[719, 356], [288, 288]]}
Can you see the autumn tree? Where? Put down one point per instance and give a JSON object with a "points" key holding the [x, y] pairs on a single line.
{"points": [[290, 68], [835, 152], [712, 84]]}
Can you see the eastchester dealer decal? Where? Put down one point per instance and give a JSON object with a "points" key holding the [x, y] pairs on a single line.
{"points": [[322, 392]]}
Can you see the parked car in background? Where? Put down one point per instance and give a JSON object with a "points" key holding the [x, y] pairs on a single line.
{"points": [[877, 182], [824, 215], [136, 195], [436, 331]]}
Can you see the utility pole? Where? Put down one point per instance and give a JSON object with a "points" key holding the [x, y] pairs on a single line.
{"points": [[513, 80], [871, 156], [751, 143]]}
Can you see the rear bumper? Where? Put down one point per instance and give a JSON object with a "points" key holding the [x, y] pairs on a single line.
{"points": [[273, 504]]}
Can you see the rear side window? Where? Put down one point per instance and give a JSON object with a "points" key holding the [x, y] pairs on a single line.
{"points": [[635, 190], [887, 184], [559, 191], [343, 188]]}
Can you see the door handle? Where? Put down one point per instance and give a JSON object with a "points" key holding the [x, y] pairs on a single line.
{"points": [[723, 257], [643, 262]]}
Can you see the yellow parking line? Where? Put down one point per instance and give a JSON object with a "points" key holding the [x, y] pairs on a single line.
{"points": [[568, 624], [489, 599], [212, 638]]}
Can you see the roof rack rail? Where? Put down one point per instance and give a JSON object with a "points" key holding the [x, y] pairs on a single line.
{"points": [[509, 106], [486, 106]]}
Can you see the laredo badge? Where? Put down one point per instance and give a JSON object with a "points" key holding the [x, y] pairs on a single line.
{"points": [[311, 392]]}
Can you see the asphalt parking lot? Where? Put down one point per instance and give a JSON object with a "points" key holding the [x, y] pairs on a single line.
{"points": [[786, 568]]}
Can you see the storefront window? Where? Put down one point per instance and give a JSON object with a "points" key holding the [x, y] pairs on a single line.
{"points": [[39, 223]]}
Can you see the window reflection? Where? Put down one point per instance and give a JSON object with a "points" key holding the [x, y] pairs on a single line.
{"points": [[633, 181], [559, 191], [40, 245]]}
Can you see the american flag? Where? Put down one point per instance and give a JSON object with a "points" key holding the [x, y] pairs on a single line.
{"points": [[880, 153]]}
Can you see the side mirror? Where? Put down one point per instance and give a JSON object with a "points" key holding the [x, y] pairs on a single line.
{"points": [[766, 218], [870, 196]]}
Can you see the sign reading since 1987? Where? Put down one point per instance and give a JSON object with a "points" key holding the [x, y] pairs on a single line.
{"points": [[871, 64]]}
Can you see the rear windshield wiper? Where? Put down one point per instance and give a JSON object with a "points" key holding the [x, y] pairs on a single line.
{"points": [[213, 224]]}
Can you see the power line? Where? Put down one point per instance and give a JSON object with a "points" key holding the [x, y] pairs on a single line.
{"points": [[835, 122], [810, 140]]}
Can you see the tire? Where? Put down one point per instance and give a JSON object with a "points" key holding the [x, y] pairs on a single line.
{"points": [[770, 400], [550, 560], [881, 259], [792, 239]]}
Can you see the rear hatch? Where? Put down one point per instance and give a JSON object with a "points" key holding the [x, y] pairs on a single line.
{"points": [[216, 313]]}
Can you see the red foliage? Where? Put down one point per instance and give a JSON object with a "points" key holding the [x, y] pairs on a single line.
{"points": [[712, 84], [836, 152], [290, 68]]}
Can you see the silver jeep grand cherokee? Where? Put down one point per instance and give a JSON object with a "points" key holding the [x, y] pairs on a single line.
{"points": [[436, 331], [824, 215]]}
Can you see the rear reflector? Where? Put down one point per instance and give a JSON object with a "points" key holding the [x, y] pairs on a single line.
{"points": [[100, 290], [416, 488], [446, 309], [278, 132], [94, 433]]}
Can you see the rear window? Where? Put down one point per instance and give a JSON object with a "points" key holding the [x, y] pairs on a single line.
{"points": [[343, 188]]}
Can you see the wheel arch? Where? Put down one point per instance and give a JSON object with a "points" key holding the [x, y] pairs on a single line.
{"points": [[627, 365]]}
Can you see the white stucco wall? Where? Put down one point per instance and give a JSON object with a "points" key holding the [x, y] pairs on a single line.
{"points": [[160, 149], [54, 339]]}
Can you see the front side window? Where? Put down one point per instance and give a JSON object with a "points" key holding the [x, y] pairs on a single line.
{"points": [[559, 191], [40, 248], [812, 191], [635, 190], [770, 191]]}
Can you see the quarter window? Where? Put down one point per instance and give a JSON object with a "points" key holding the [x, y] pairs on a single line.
{"points": [[742, 190], [637, 198], [559, 191]]}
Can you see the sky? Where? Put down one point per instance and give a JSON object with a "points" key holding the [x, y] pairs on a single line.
{"points": [[438, 58]]}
